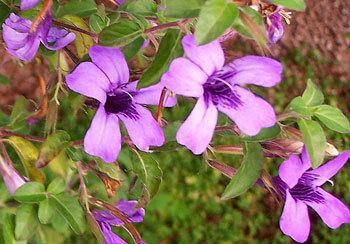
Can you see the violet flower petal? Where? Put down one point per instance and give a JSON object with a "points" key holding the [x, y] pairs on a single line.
{"points": [[112, 62], [294, 220], [333, 212], [103, 139], [253, 114], [109, 235], [328, 170], [198, 129], [87, 79], [57, 38], [28, 4], [184, 78], [151, 95], [256, 70], [143, 131], [209, 57], [291, 170], [275, 30]]}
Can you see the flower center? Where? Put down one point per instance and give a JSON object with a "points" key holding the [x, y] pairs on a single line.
{"points": [[221, 92], [303, 191], [121, 103]]}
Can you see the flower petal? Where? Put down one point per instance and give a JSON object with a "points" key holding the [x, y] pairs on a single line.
{"points": [[129, 208], [112, 62], [333, 212], [57, 38], [88, 80], [109, 235], [294, 220], [328, 170], [28, 4], [198, 129], [184, 78], [103, 139], [150, 95], [209, 57], [143, 131], [254, 70], [291, 170], [252, 114]]}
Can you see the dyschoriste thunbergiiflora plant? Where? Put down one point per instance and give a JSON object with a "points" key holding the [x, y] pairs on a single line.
{"points": [[87, 158]]}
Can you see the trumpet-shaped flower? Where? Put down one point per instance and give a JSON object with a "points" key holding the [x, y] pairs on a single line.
{"points": [[105, 220], [13, 180], [219, 88], [106, 80], [23, 43], [301, 187]]}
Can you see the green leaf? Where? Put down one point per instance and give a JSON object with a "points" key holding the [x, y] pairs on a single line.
{"points": [[82, 41], [248, 172], [56, 186], [312, 96], [3, 79], [18, 116], [8, 230], [119, 34], [265, 134], [97, 23], [70, 210], [298, 5], [26, 221], [30, 192], [28, 154], [45, 212], [133, 48], [183, 8], [140, 7], [333, 118], [314, 139], [169, 49], [95, 228], [4, 13], [80, 8], [214, 19], [52, 147], [150, 173], [299, 106], [251, 25]]}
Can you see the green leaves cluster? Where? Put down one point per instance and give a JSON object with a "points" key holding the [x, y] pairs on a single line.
{"points": [[40, 206], [312, 112]]}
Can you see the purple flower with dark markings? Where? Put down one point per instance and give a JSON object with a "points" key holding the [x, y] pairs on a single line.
{"points": [[218, 88], [23, 43], [28, 4], [105, 220], [301, 187], [106, 80], [274, 24]]}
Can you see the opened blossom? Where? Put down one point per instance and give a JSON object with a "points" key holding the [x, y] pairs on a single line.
{"points": [[218, 87], [28, 4], [106, 220], [301, 187], [106, 80], [23, 43]]}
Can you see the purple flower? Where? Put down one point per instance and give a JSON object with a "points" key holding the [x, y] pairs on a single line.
{"points": [[28, 4], [105, 220], [302, 187], [10, 176], [106, 80], [275, 30], [23, 44], [218, 88]]}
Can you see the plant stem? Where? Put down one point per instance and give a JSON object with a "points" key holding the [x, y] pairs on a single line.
{"points": [[74, 28]]}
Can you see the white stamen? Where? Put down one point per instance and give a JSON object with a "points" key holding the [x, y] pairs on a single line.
{"points": [[225, 82], [128, 94]]}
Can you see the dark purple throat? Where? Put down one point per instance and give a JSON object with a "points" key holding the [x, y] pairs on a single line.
{"points": [[121, 103], [221, 92]]}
